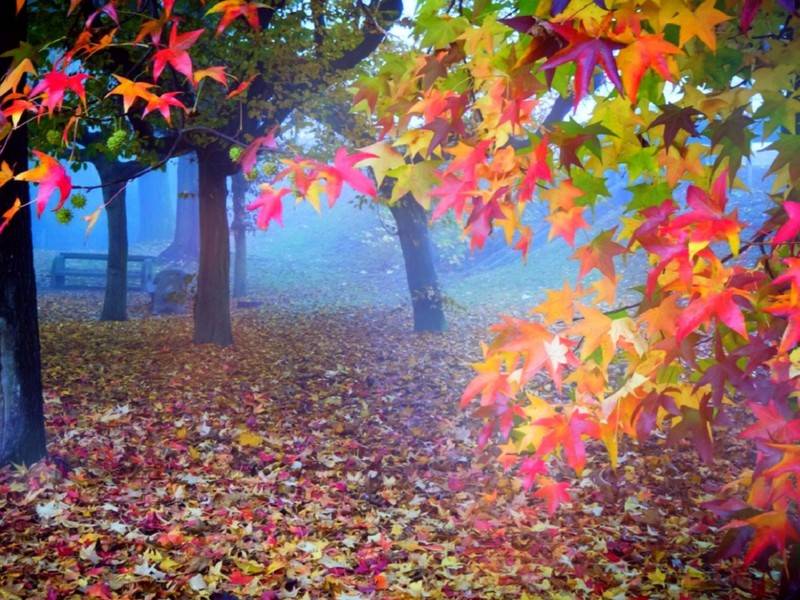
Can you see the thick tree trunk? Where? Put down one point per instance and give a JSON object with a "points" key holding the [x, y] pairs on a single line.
{"points": [[212, 318], [423, 284], [239, 187], [186, 243], [22, 436], [113, 177]]}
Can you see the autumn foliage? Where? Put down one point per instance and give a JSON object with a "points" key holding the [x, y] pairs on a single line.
{"points": [[671, 96]]}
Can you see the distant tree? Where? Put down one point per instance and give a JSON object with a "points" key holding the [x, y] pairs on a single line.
{"points": [[239, 228], [185, 245], [423, 283]]}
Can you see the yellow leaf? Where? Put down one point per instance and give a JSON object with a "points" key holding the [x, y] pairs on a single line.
{"points": [[167, 564], [386, 158], [251, 567], [11, 81], [657, 577], [450, 561], [92, 220], [248, 438], [698, 23], [275, 565], [6, 174]]}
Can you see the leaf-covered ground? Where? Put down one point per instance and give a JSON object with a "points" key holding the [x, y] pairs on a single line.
{"points": [[321, 457]]}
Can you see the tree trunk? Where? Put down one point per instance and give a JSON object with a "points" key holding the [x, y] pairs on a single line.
{"points": [[212, 318], [113, 177], [239, 187], [22, 435], [186, 242], [423, 285]]}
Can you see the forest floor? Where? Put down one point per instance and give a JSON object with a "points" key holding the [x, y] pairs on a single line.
{"points": [[324, 456]]}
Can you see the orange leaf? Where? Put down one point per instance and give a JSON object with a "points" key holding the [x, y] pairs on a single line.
{"points": [[232, 9], [560, 304], [242, 87], [6, 174], [10, 213], [566, 222], [381, 583], [131, 90], [599, 254], [646, 52]]}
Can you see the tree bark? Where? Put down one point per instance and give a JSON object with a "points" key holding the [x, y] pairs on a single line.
{"points": [[22, 435], [113, 177], [212, 319], [423, 284], [239, 187], [186, 242]]}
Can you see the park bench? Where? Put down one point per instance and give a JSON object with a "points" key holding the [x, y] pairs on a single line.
{"points": [[65, 265]]}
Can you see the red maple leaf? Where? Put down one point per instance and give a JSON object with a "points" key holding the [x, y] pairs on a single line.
{"points": [[537, 169], [599, 254], [700, 311], [480, 219], [587, 52], [344, 171], [239, 578], [176, 53], [792, 273], [269, 204], [99, 590], [789, 230], [554, 492], [250, 154], [771, 424], [772, 531], [50, 175], [453, 193], [55, 84], [163, 103], [529, 469]]}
